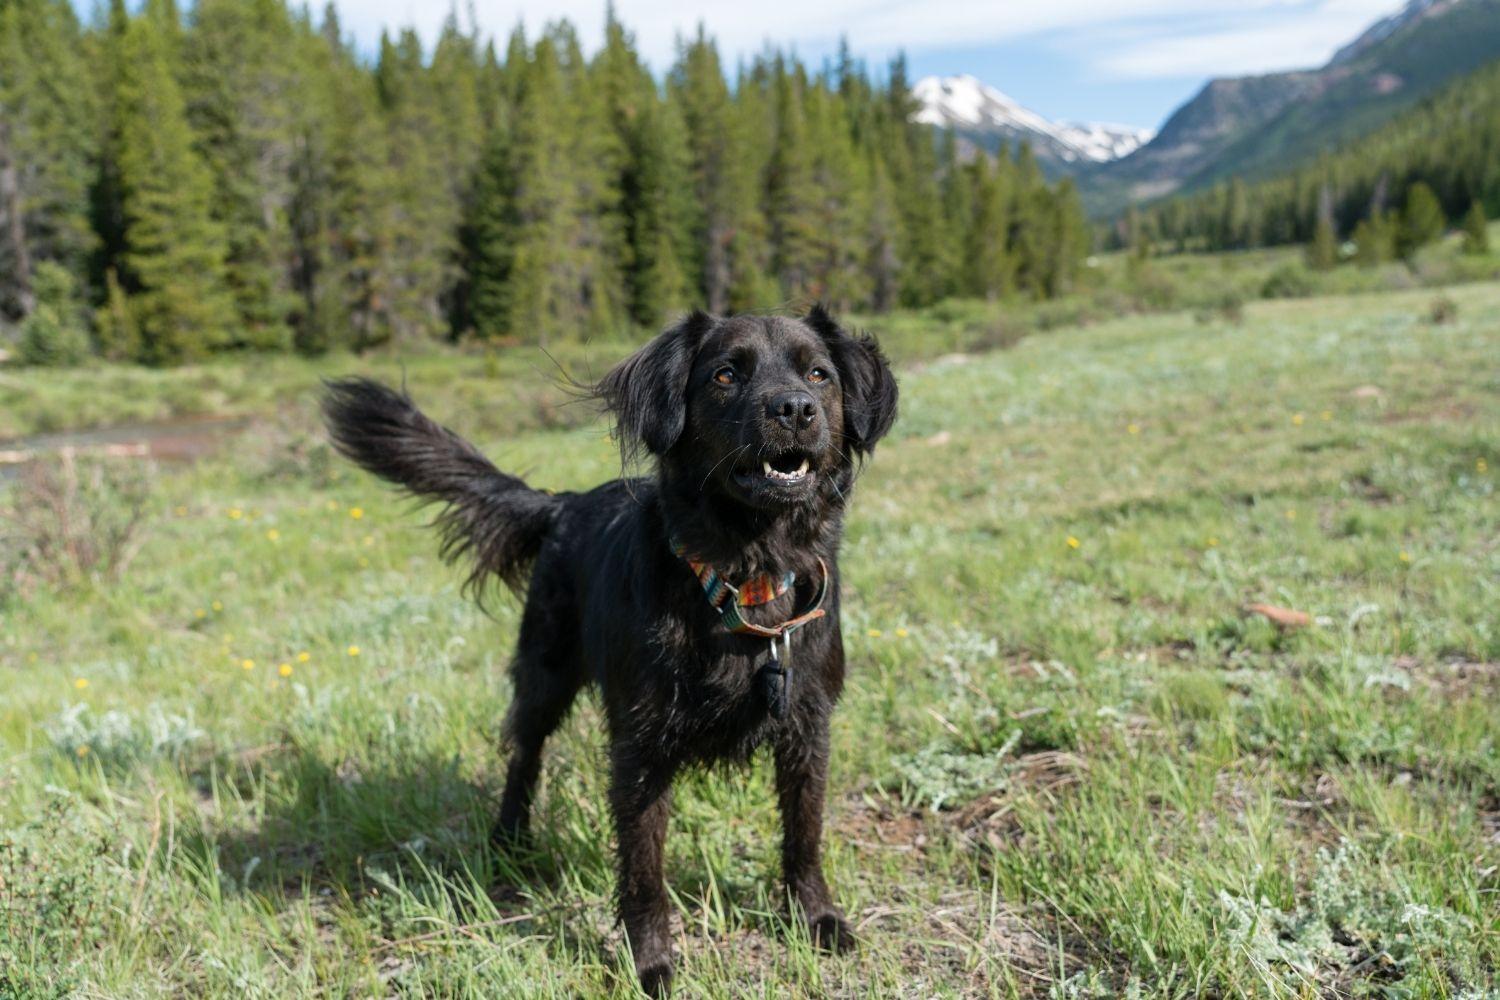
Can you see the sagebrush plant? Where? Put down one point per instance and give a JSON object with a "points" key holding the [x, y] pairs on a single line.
{"points": [[61, 893], [1191, 785], [72, 518]]}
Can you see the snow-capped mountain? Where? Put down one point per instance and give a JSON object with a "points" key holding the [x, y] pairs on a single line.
{"points": [[985, 116]]}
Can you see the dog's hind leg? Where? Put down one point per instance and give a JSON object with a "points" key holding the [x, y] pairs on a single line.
{"points": [[547, 676]]}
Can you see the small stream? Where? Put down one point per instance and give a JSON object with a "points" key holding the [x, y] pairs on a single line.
{"points": [[179, 440]]}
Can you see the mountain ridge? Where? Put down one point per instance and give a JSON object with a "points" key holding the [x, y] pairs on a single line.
{"points": [[986, 118], [1254, 126]]}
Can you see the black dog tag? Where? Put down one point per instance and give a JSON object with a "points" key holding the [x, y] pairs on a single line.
{"points": [[776, 677]]}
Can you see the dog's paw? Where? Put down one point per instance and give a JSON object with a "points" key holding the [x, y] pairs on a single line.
{"points": [[656, 978], [831, 932], [510, 838]]}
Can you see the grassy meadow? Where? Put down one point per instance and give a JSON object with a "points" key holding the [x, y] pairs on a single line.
{"points": [[1069, 762]]}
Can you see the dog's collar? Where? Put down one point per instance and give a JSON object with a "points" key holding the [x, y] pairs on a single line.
{"points": [[727, 599]]}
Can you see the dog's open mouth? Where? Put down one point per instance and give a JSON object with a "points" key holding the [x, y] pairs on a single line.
{"points": [[789, 468]]}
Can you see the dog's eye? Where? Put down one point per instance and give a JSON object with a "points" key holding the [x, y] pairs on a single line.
{"points": [[817, 375], [724, 376]]}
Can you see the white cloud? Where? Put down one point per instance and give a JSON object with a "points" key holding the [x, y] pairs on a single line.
{"points": [[1149, 38], [1247, 44]]}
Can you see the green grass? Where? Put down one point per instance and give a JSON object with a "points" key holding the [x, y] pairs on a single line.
{"points": [[1067, 763]]}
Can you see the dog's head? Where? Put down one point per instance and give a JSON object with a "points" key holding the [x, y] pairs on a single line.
{"points": [[767, 410]]}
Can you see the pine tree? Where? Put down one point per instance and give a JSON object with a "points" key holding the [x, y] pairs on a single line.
{"points": [[1422, 221], [47, 145], [1375, 240], [648, 161], [1476, 230], [551, 228], [457, 133], [1323, 250], [492, 228], [174, 251], [789, 193], [243, 94], [842, 202], [424, 230], [987, 258], [926, 247], [882, 262], [344, 204], [722, 185]]}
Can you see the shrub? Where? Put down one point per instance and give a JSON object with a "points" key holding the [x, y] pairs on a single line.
{"points": [[48, 342], [1443, 310], [59, 892], [1422, 222], [1476, 231], [1289, 281], [1152, 288], [66, 521], [1227, 304], [54, 335]]}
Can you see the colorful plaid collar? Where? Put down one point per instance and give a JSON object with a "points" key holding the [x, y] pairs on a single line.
{"points": [[727, 599]]}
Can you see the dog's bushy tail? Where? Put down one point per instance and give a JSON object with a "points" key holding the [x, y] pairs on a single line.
{"points": [[489, 519]]}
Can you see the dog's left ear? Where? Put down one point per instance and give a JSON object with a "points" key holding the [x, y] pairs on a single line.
{"points": [[647, 392], [869, 386]]}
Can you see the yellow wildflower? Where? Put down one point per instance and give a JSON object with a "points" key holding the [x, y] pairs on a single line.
{"points": [[356, 512], [1297, 420], [1405, 556], [1480, 465], [217, 605], [273, 534], [81, 683], [180, 511], [353, 650], [1326, 414], [82, 751], [1133, 428], [285, 670], [902, 633], [248, 664], [235, 513], [199, 613], [1213, 542], [1073, 543], [1291, 515], [875, 633], [303, 657]]}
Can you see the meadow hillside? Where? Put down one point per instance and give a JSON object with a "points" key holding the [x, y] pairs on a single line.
{"points": [[260, 760]]}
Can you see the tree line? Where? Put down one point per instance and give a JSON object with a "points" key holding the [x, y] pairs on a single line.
{"points": [[239, 177], [1387, 194]]}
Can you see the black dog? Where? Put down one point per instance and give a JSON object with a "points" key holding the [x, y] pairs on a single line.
{"points": [[757, 426]]}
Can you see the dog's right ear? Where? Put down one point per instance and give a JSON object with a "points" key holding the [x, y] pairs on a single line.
{"points": [[647, 392]]}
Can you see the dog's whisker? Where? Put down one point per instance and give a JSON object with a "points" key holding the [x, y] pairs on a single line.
{"points": [[728, 455]]}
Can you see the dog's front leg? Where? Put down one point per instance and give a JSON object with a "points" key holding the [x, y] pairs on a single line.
{"points": [[640, 795], [801, 777]]}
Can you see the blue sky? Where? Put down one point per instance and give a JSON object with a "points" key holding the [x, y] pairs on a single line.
{"points": [[1096, 60]]}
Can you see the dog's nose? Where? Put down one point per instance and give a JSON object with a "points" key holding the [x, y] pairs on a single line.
{"points": [[795, 411]]}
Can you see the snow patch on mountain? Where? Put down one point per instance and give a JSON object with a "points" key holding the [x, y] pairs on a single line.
{"points": [[965, 102]]}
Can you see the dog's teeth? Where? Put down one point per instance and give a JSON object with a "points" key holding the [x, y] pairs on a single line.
{"points": [[767, 466], [802, 469]]}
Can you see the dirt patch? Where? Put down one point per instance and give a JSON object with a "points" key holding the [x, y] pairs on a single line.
{"points": [[884, 825], [991, 819]]}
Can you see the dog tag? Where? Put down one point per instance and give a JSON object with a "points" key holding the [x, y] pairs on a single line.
{"points": [[777, 676]]}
